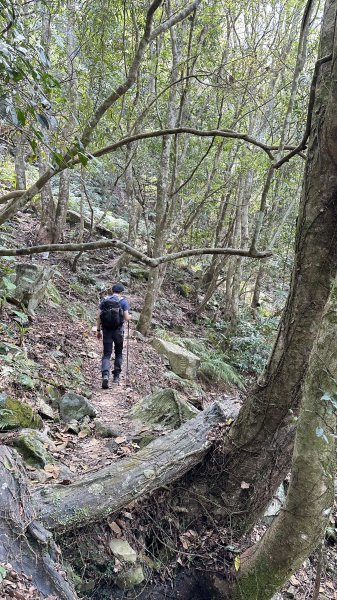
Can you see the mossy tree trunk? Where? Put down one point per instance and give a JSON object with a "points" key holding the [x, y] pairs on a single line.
{"points": [[259, 447], [300, 525]]}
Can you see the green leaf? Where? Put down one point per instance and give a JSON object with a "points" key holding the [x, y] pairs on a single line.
{"points": [[57, 158], [26, 381], [83, 159], [22, 317], [3, 573], [8, 284], [21, 116]]}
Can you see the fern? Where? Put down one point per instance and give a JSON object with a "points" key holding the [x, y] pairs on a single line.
{"points": [[214, 366], [4, 412]]}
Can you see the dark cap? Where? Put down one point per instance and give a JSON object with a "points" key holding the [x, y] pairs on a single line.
{"points": [[118, 288]]}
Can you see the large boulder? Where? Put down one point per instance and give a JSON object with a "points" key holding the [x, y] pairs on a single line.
{"points": [[31, 283], [109, 226], [75, 407], [182, 362], [15, 415]]}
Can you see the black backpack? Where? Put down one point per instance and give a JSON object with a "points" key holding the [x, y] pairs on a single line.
{"points": [[112, 315]]}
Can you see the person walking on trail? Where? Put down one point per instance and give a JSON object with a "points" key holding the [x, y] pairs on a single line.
{"points": [[113, 312]]}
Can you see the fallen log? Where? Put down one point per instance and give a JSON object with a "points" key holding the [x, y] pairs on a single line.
{"points": [[106, 491]]}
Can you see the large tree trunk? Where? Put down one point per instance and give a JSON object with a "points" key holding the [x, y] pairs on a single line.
{"points": [[260, 443], [300, 526]]}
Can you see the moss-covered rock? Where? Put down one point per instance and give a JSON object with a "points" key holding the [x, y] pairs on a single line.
{"points": [[164, 408], [128, 579], [31, 445], [122, 550], [132, 575], [186, 290], [75, 407], [182, 362], [138, 271], [31, 284], [115, 226], [15, 414]]}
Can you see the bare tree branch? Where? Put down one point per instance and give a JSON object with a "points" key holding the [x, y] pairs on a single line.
{"points": [[140, 256], [175, 19]]}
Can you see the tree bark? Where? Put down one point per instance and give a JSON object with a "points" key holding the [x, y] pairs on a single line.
{"points": [[260, 443], [23, 542], [300, 526], [108, 490], [20, 166]]}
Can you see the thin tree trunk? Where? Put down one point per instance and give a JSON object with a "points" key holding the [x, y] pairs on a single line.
{"points": [[163, 207], [20, 165], [62, 206]]}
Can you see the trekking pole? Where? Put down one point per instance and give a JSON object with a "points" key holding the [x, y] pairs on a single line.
{"points": [[127, 355]]}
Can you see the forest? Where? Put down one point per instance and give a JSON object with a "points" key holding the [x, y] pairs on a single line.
{"points": [[168, 299]]}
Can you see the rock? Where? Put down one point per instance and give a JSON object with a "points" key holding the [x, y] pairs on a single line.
{"points": [[112, 445], [109, 227], [85, 429], [31, 445], [122, 550], [104, 430], [182, 362], [75, 407], [53, 395], [131, 575], [15, 415], [7, 348], [127, 580], [137, 335], [158, 413], [164, 408], [186, 290], [138, 271], [31, 284], [73, 426], [45, 409], [65, 473]]}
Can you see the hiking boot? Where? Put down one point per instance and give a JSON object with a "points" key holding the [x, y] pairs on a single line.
{"points": [[105, 382], [116, 379]]}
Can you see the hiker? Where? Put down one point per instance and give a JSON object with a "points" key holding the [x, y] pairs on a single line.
{"points": [[113, 311]]}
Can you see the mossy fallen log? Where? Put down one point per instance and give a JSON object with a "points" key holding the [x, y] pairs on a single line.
{"points": [[106, 491]]}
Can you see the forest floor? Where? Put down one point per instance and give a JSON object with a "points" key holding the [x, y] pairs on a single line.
{"points": [[62, 342]]}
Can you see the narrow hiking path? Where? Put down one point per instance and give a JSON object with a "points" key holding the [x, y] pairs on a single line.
{"points": [[62, 343]]}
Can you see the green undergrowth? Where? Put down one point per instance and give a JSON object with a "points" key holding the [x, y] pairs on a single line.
{"points": [[214, 364], [249, 347]]}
